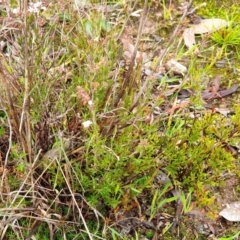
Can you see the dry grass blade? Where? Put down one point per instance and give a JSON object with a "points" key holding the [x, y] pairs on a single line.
{"points": [[220, 94], [128, 80], [25, 115], [3, 178], [173, 36], [76, 204], [10, 88]]}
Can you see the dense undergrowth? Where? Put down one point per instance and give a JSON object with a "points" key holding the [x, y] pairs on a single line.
{"points": [[79, 143]]}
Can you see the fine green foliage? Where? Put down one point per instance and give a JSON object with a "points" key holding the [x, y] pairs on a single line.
{"points": [[157, 203], [227, 37], [80, 141], [230, 238], [195, 153]]}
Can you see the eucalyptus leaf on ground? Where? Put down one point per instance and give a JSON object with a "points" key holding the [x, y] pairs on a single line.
{"points": [[231, 212], [209, 25], [205, 26]]}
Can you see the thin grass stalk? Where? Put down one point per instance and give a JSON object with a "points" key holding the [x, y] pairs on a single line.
{"points": [[128, 80], [25, 122], [173, 36], [75, 202], [6, 157]]}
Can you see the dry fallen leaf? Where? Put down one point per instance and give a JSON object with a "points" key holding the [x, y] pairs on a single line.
{"points": [[216, 83], [129, 49], [189, 37], [176, 67], [224, 111], [205, 26], [181, 105], [220, 94], [209, 25], [215, 87], [231, 212]]}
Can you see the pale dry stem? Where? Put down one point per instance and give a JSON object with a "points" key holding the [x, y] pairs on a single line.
{"points": [[75, 202], [128, 80], [173, 38]]}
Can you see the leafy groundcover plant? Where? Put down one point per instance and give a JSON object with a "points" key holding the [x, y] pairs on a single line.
{"points": [[80, 145]]}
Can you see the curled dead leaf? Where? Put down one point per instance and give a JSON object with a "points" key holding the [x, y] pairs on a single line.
{"points": [[231, 212], [189, 37], [176, 67], [205, 26], [220, 94], [209, 25]]}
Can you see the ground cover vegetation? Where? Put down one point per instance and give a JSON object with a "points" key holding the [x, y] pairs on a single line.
{"points": [[111, 127]]}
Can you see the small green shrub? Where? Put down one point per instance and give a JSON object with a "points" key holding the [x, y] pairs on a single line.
{"points": [[196, 155]]}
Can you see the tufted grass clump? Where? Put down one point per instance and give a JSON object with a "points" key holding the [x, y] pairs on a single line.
{"points": [[228, 37]]}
